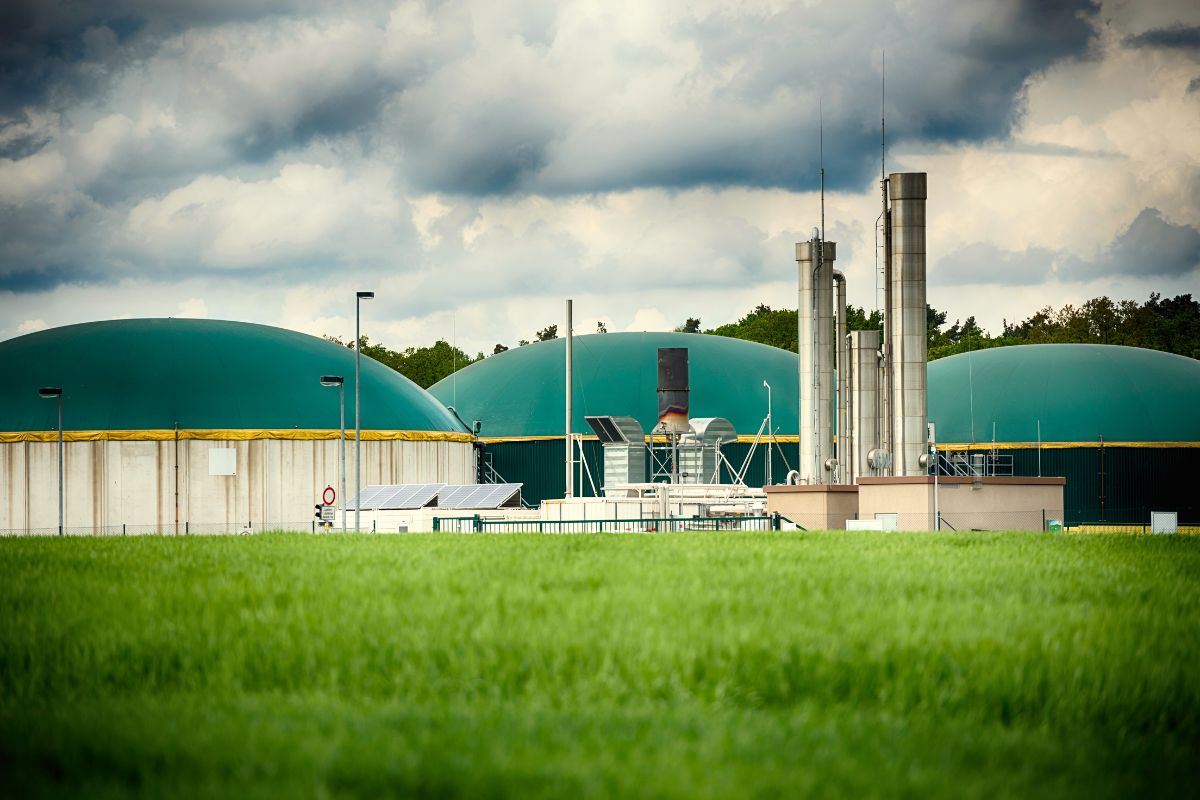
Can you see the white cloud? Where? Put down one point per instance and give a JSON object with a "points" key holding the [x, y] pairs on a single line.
{"points": [[193, 308], [31, 326], [306, 213]]}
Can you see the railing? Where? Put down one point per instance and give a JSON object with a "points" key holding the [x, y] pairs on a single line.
{"points": [[477, 524], [972, 465]]}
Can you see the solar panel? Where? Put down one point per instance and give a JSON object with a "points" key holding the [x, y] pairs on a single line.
{"points": [[416, 495], [396, 497], [366, 497], [484, 495]]}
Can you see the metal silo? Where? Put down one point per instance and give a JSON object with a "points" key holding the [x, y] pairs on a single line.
{"points": [[906, 324]]}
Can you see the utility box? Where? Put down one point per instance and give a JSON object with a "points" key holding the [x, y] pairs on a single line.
{"points": [[624, 449], [1164, 521]]}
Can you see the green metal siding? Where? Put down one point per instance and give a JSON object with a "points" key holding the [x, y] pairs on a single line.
{"points": [[522, 392], [1078, 393], [1116, 485], [202, 374]]}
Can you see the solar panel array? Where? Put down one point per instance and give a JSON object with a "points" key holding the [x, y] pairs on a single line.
{"points": [[483, 495], [419, 495], [395, 498]]}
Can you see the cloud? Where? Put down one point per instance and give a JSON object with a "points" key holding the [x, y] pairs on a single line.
{"points": [[547, 98], [1173, 37], [305, 218], [194, 308], [32, 326], [1150, 247], [982, 262]]}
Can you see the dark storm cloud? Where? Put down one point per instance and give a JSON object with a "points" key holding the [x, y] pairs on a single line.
{"points": [[48, 277], [327, 116], [53, 53], [138, 98], [744, 114], [1151, 247], [1174, 37]]}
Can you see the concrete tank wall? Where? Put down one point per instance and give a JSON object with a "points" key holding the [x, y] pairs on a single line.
{"points": [[110, 483]]}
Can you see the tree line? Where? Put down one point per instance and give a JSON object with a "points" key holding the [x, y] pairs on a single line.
{"points": [[1171, 325]]}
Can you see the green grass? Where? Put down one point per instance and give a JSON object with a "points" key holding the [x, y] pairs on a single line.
{"points": [[679, 665]]}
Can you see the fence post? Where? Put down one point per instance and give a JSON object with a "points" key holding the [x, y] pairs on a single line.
{"points": [[186, 526], [122, 528], [1043, 520], [437, 524], [476, 524], [775, 522]]}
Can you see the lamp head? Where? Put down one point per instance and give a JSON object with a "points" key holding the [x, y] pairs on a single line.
{"points": [[50, 391], [331, 380], [364, 295]]}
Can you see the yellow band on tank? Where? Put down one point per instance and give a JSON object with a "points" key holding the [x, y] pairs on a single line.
{"points": [[591, 437], [169, 434], [983, 446]]}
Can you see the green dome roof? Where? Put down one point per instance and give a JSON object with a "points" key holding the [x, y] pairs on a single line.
{"points": [[521, 392], [146, 374], [1080, 392]]}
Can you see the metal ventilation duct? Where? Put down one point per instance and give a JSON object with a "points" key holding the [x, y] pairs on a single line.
{"points": [[906, 322], [672, 390], [700, 451], [624, 449]]}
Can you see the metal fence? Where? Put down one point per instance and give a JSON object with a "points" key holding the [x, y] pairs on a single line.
{"points": [[478, 524], [184, 529]]}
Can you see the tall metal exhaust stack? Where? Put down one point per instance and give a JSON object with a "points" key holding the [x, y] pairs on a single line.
{"points": [[815, 321], [845, 421], [570, 442], [673, 407], [906, 322], [865, 378], [672, 390]]}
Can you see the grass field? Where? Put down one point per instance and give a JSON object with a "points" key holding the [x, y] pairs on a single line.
{"points": [[684, 665]]}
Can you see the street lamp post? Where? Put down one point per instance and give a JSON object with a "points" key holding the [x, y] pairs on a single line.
{"points": [[57, 392], [358, 298], [770, 433], [340, 382]]}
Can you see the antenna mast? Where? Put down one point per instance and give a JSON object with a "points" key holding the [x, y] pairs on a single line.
{"points": [[821, 150]]}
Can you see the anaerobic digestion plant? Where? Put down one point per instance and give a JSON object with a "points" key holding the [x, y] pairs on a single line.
{"points": [[880, 407]]}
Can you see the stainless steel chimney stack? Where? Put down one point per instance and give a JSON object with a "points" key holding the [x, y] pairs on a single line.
{"points": [[815, 347], [866, 376], [906, 323], [845, 422]]}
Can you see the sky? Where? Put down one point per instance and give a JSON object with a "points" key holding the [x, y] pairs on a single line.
{"points": [[476, 162]]}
